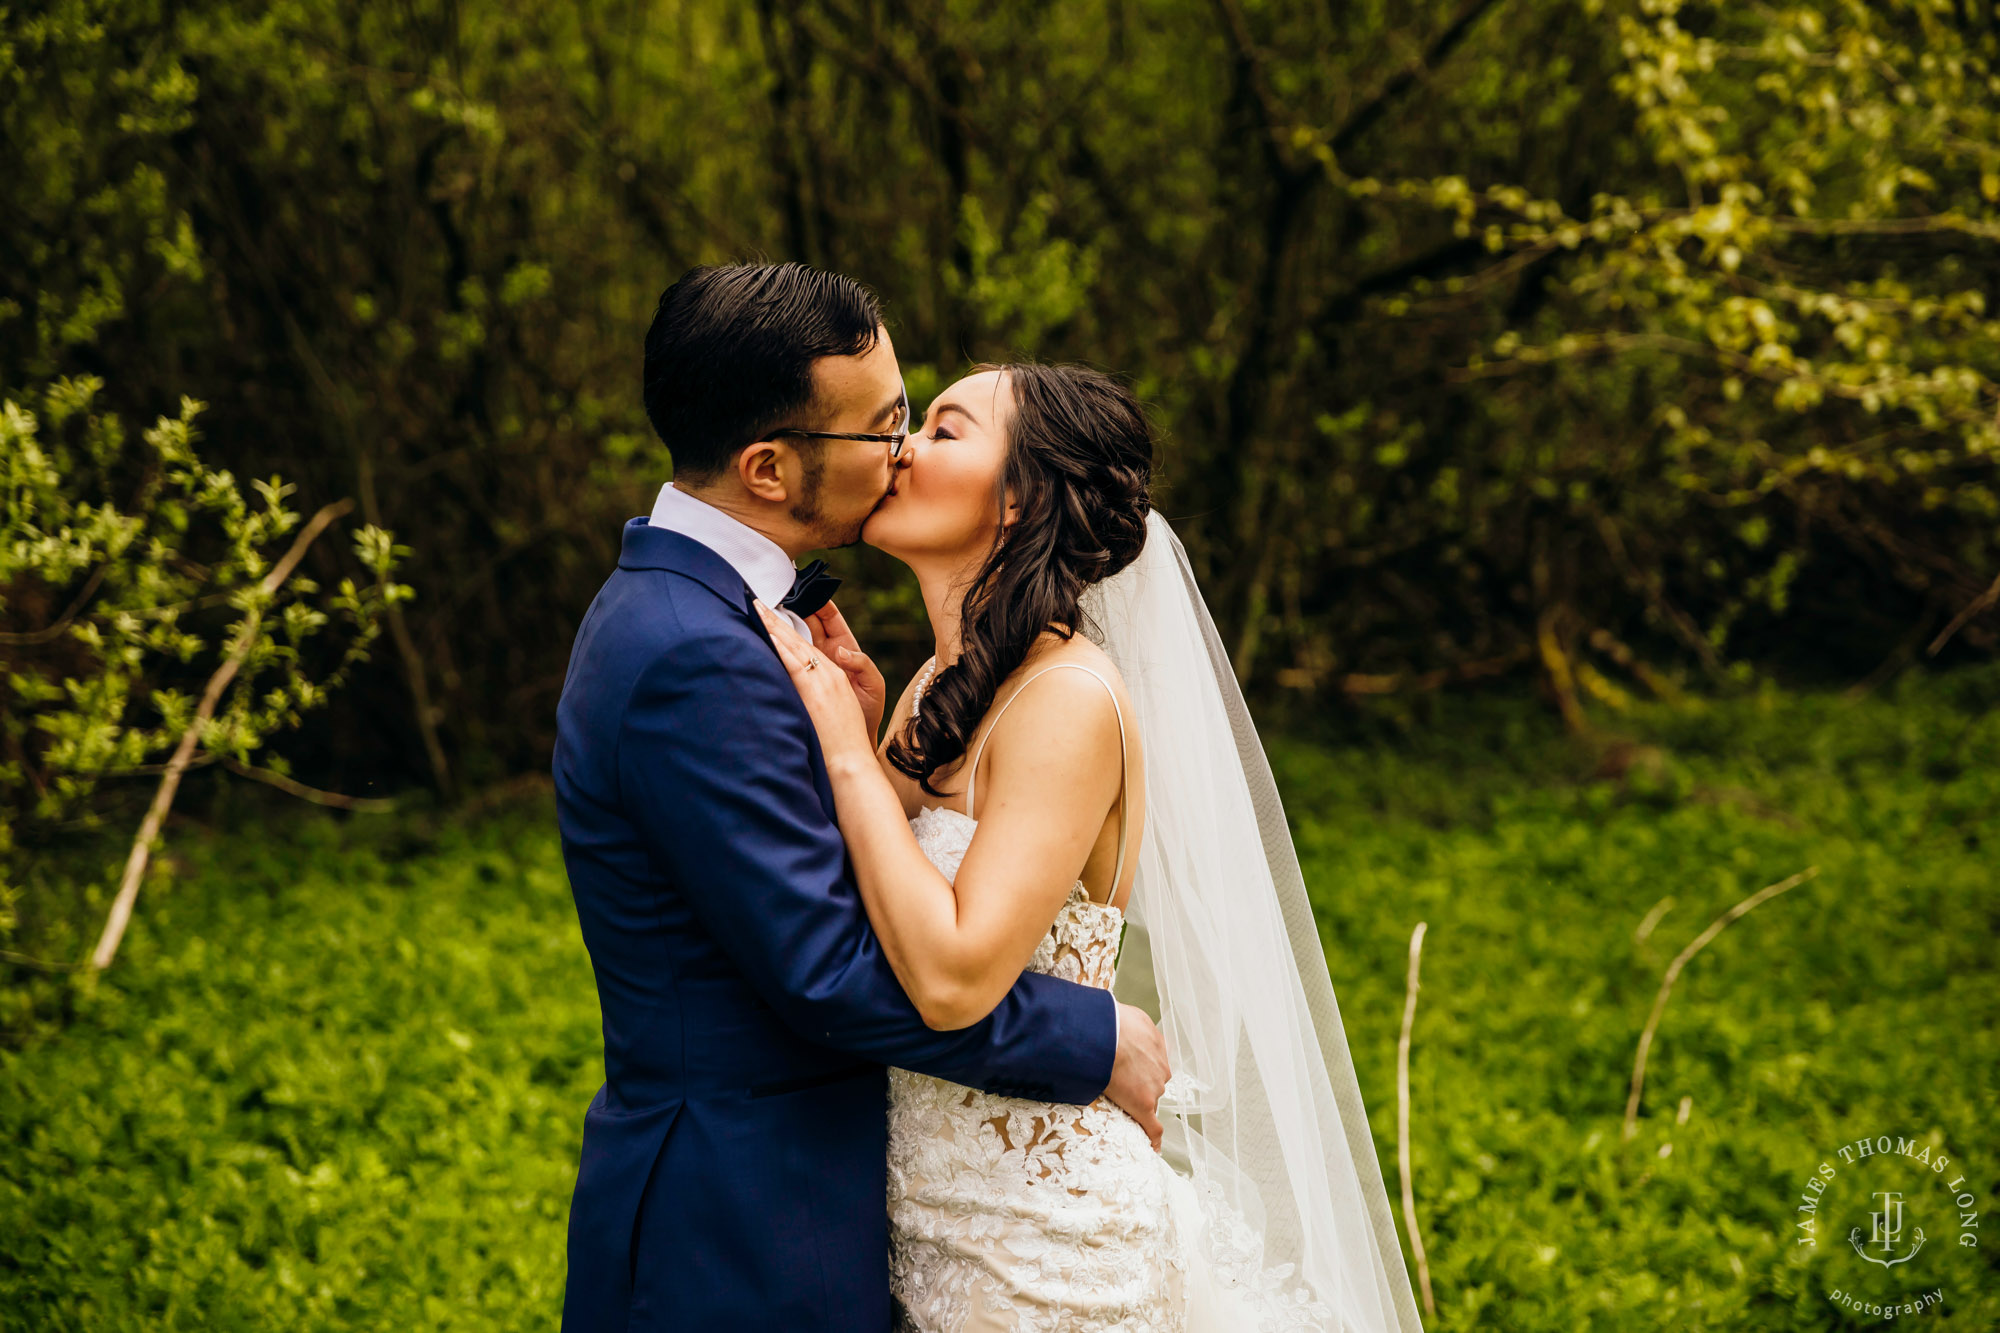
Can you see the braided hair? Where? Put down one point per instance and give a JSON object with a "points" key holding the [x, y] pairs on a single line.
{"points": [[1079, 465]]}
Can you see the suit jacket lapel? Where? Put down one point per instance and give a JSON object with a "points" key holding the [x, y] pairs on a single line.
{"points": [[647, 547], [822, 782]]}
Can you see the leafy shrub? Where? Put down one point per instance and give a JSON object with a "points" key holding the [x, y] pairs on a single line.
{"points": [[114, 561]]}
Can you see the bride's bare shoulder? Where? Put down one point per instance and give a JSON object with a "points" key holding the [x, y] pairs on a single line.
{"points": [[1066, 693], [1064, 735], [1052, 650]]}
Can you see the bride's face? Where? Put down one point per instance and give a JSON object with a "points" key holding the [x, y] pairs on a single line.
{"points": [[943, 507]]}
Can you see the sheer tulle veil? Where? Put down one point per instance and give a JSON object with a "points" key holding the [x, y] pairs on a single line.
{"points": [[1265, 1120]]}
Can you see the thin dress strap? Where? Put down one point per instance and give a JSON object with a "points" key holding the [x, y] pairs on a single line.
{"points": [[1124, 760]]}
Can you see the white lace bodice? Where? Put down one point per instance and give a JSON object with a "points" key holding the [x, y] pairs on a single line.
{"points": [[1082, 943], [1008, 1214]]}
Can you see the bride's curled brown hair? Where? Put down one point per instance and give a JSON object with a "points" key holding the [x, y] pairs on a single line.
{"points": [[1079, 465]]}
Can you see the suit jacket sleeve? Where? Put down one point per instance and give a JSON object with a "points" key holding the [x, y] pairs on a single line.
{"points": [[716, 758]]}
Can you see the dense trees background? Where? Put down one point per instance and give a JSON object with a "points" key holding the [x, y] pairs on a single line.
{"points": [[1617, 344]]}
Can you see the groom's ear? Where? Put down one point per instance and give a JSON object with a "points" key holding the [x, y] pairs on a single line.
{"points": [[769, 470]]}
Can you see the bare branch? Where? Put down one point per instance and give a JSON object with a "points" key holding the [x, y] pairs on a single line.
{"points": [[1364, 116], [363, 805], [62, 622], [1403, 1119], [414, 673], [1358, 682], [1701, 941], [1977, 606], [1251, 61], [40, 965], [1941, 222], [1652, 919], [1562, 678], [170, 781], [1604, 641]]}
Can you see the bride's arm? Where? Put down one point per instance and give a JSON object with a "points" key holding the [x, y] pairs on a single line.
{"points": [[956, 952]]}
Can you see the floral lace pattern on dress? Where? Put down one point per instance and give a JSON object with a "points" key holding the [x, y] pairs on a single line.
{"points": [[1234, 1254], [1027, 1216]]}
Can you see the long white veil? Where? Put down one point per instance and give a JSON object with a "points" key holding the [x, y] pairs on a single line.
{"points": [[1264, 1116]]}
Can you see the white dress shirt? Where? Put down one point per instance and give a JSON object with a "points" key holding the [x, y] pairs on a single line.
{"points": [[761, 561]]}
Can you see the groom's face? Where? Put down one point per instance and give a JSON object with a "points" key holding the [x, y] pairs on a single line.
{"points": [[845, 479]]}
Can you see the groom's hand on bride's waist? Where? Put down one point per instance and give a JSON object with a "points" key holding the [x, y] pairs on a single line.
{"points": [[1139, 1074]]}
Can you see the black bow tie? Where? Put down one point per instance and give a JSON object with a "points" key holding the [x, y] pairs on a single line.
{"points": [[812, 588]]}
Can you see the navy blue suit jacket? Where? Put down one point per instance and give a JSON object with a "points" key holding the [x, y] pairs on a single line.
{"points": [[733, 1171]]}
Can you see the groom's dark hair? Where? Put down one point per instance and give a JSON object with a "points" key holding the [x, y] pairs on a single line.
{"points": [[729, 355]]}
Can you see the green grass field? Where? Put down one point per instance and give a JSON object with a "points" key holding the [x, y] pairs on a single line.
{"points": [[337, 1076]]}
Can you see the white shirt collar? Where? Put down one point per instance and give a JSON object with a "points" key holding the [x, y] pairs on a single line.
{"points": [[761, 561]]}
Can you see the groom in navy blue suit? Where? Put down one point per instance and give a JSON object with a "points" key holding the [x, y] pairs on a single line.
{"points": [[733, 1164]]}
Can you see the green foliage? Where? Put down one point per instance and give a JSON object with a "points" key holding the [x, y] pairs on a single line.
{"points": [[1863, 1002], [338, 1079], [334, 1082], [1807, 267], [1483, 333], [347, 227], [114, 560], [93, 233]]}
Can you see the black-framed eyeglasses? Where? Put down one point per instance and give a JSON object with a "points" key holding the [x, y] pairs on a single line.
{"points": [[894, 439]]}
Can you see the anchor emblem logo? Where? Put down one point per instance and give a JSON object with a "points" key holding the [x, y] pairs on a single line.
{"points": [[1888, 1230]]}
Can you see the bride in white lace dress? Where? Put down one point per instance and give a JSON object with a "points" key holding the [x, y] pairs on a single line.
{"points": [[1003, 825], [1006, 1213]]}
